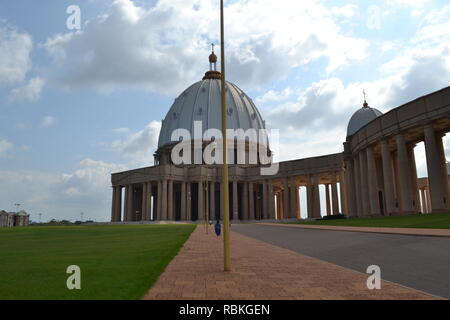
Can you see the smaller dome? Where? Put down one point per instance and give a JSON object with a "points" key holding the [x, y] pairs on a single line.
{"points": [[362, 117]]}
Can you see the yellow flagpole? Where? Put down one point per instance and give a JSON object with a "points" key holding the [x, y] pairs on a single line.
{"points": [[206, 197], [225, 207]]}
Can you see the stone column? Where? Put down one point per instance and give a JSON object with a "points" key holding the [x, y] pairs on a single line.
{"points": [[245, 201], [119, 204], [343, 192], [144, 201], [444, 173], [334, 193], [281, 199], [251, 200], [164, 201], [201, 210], [397, 193], [365, 202], [113, 204], [388, 178], [212, 201], [351, 189], [293, 204], [327, 199], [264, 200], [116, 204], [170, 215], [414, 183], [125, 205], [129, 203], [159, 202], [188, 201], [183, 202], [235, 201], [423, 202], [316, 209], [372, 183], [286, 209], [427, 209], [358, 193], [277, 212], [309, 197], [429, 205], [206, 201], [437, 181], [149, 201], [404, 173], [297, 197], [271, 200]]}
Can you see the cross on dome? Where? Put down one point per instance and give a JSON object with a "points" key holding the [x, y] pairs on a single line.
{"points": [[365, 105]]}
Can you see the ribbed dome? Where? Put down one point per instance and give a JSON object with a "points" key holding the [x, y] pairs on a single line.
{"points": [[360, 118], [201, 102]]}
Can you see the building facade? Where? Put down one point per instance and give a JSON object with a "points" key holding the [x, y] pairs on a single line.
{"points": [[375, 175], [14, 219]]}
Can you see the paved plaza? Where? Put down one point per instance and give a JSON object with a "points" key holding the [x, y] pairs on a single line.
{"points": [[262, 271], [415, 260]]}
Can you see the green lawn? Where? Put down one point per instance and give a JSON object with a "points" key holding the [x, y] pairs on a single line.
{"points": [[434, 221], [117, 262]]}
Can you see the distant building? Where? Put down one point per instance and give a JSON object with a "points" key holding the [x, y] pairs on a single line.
{"points": [[14, 219]]}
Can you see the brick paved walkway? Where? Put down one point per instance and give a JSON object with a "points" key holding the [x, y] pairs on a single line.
{"points": [[261, 271], [404, 231]]}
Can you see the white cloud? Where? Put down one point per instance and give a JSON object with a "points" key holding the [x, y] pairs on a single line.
{"points": [[346, 11], [309, 144], [29, 92], [90, 180], [62, 196], [435, 28], [140, 146], [158, 49], [48, 121], [409, 3], [5, 147], [15, 48], [273, 96]]}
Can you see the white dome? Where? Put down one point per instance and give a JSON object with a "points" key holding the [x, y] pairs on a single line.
{"points": [[202, 102], [362, 117]]}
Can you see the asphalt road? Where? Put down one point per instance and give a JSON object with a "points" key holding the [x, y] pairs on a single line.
{"points": [[418, 262]]}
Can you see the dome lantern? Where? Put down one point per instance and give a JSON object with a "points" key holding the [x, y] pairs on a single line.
{"points": [[212, 73], [212, 59]]}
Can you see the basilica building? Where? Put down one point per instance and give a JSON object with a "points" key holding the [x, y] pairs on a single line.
{"points": [[374, 175]]}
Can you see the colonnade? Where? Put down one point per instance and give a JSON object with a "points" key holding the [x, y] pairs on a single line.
{"points": [[382, 175], [265, 199]]}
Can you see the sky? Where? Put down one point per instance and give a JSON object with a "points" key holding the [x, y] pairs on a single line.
{"points": [[79, 104]]}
